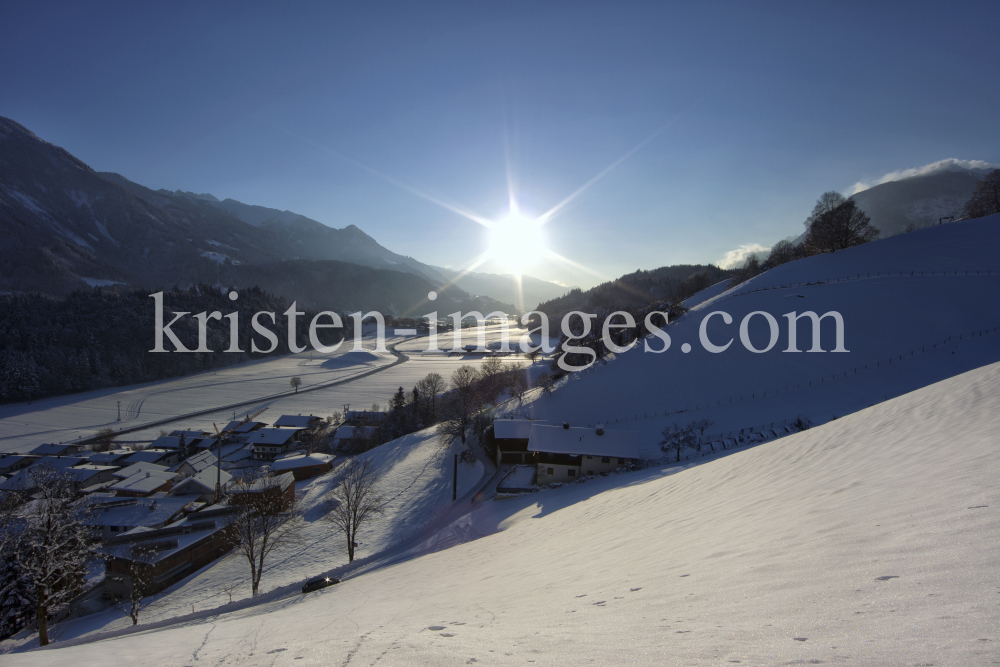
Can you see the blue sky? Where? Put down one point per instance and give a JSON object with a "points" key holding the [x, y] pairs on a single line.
{"points": [[759, 110]]}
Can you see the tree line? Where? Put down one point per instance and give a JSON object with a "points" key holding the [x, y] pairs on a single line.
{"points": [[102, 338]]}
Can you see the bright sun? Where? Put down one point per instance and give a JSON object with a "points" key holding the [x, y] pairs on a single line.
{"points": [[516, 242]]}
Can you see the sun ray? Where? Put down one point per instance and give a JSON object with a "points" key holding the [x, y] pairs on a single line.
{"points": [[554, 255], [454, 208], [545, 217]]}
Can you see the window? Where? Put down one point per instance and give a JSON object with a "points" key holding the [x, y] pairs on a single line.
{"points": [[114, 529], [551, 471], [589, 457], [606, 459], [571, 473]]}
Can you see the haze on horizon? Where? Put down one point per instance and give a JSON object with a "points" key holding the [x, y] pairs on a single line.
{"points": [[660, 135]]}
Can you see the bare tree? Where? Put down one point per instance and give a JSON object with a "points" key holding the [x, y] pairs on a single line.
{"points": [[676, 438], [783, 252], [545, 382], [355, 501], [132, 565], [519, 384], [492, 376], [230, 588], [295, 382], [843, 227], [103, 440], [55, 543], [826, 203], [986, 198], [461, 403], [430, 387], [263, 522]]}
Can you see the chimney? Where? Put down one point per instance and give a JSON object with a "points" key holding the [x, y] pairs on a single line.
{"points": [[566, 425]]}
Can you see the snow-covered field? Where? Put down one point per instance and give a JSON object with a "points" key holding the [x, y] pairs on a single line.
{"points": [[870, 540], [66, 418]]}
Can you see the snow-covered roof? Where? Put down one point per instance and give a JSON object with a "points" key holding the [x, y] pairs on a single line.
{"points": [[53, 450], [282, 481], [295, 421], [134, 511], [271, 436], [143, 482], [166, 442], [198, 462], [513, 429], [247, 427], [583, 441], [302, 461], [111, 456], [351, 432], [202, 482], [149, 456], [136, 468], [59, 462]]}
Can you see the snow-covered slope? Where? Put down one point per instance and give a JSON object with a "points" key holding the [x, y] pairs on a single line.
{"points": [[917, 308], [870, 540]]}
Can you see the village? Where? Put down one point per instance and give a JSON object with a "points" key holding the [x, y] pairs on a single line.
{"points": [[160, 511]]}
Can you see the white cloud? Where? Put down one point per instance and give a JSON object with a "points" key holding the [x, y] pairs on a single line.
{"points": [[951, 164], [735, 258]]}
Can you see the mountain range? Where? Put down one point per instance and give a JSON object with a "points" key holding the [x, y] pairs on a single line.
{"points": [[66, 227]]}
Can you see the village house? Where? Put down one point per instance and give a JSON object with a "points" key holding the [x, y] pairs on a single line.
{"points": [[241, 431], [163, 457], [355, 439], [114, 457], [144, 484], [564, 453], [304, 466], [175, 551], [110, 517], [270, 443], [201, 485], [55, 450], [510, 437], [363, 417], [298, 421], [195, 464], [279, 488], [135, 468], [11, 463]]}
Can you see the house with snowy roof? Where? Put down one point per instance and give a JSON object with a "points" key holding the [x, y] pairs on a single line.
{"points": [[280, 488], [55, 450], [144, 484], [135, 468], [563, 454], [11, 463], [110, 457], [201, 485], [169, 553], [304, 466], [195, 464], [270, 443], [110, 517], [163, 457], [297, 421], [510, 438], [355, 438]]}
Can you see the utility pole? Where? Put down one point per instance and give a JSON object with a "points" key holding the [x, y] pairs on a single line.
{"points": [[119, 410], [454, 480]]}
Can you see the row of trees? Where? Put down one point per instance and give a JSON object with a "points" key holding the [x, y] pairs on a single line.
{"points": [[835, 224], [102, 338]]}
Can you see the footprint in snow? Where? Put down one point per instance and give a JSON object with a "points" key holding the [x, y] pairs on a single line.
{"points": [[447, 634], [633, 590], [800, 639], [435, 628], [887, 577]]}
